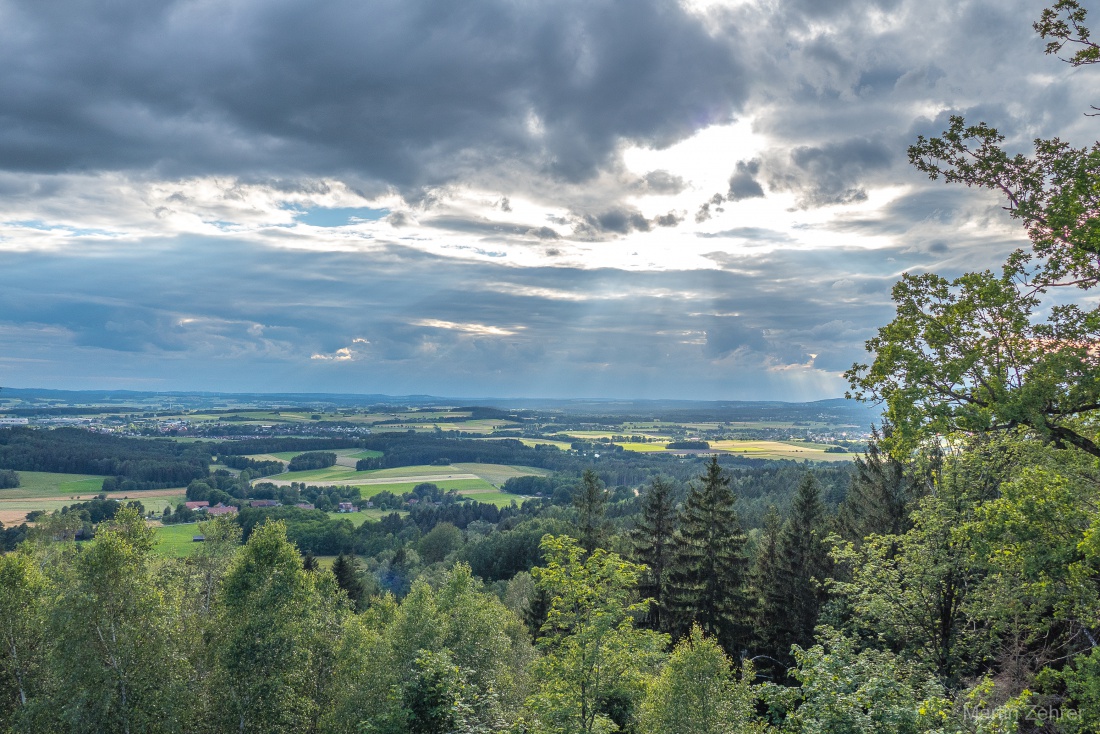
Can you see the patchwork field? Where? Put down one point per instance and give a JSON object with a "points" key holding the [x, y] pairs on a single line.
{"points": [[481, 482], [49, 492], [493, 474]]}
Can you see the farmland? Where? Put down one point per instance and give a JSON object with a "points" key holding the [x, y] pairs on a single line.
{"points": [[480, 482], [796, 450], [49, 491]]}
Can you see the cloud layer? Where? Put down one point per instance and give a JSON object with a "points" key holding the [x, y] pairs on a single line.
{"points": [[639, 199]]}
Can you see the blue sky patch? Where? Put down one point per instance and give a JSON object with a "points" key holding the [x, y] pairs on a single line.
{"points": [[338, 216]]}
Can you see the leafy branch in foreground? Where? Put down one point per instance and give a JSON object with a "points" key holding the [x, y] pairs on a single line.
{"points": [[988, 352]]}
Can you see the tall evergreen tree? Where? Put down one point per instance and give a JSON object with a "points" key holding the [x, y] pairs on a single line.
{"points": [[653, 546], [765, 571], [346, 570], [793, 600], [707, 581], [880, 494], [590, 499]]}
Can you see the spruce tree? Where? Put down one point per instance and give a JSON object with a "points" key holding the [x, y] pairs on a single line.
{"points": [[793, 600], [590, 499], [879, 495], [346, 570], [652, 538], [707, 581], [765, 572]]}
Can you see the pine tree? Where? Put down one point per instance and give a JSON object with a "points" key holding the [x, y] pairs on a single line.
{"points": [[346, 570], [793, 600], [653, 546], [879, 495], [765, 572], [590, 499], [707, 581]]}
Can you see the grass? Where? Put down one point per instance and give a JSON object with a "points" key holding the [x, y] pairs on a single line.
{"points": [[495, 497], [41, 484], [644, 448], [175, 540], [462, 486], [330, 475], [498, 474], [361, 516], [563, 445], [493, 474]]}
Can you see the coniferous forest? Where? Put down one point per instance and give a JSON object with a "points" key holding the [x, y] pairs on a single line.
{"points": [[954, 588]]}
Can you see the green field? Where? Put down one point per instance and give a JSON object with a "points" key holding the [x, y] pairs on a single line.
{"points": [[358, 518], [495, 497], [494, 474], [462, 486], [48, 484], [175, 540]]}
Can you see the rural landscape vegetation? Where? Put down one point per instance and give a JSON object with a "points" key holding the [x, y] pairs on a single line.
{"points": [[921, 556]]}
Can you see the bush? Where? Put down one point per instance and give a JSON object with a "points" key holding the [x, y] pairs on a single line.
{"points": [[8, 479]]}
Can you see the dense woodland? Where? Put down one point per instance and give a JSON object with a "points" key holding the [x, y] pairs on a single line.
{"points": [[135, 463], [948, 582]]}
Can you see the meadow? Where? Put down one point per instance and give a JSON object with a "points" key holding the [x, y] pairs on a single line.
{"points": [[480, 482], [176, 540]]}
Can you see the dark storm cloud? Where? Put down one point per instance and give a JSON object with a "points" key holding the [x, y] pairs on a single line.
{"points": [[405, 92], [834, 173], [743, 183], [488, 228], [728, 334]]}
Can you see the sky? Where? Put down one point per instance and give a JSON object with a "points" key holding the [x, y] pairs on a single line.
{"points": [[516, 198]]}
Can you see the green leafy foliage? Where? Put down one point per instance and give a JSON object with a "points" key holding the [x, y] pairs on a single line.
{"points": [[592, 674], [697, 693]]}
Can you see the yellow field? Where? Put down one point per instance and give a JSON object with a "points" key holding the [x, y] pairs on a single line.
{"points": [[780, 450], [644, 448], [755, 449]]}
